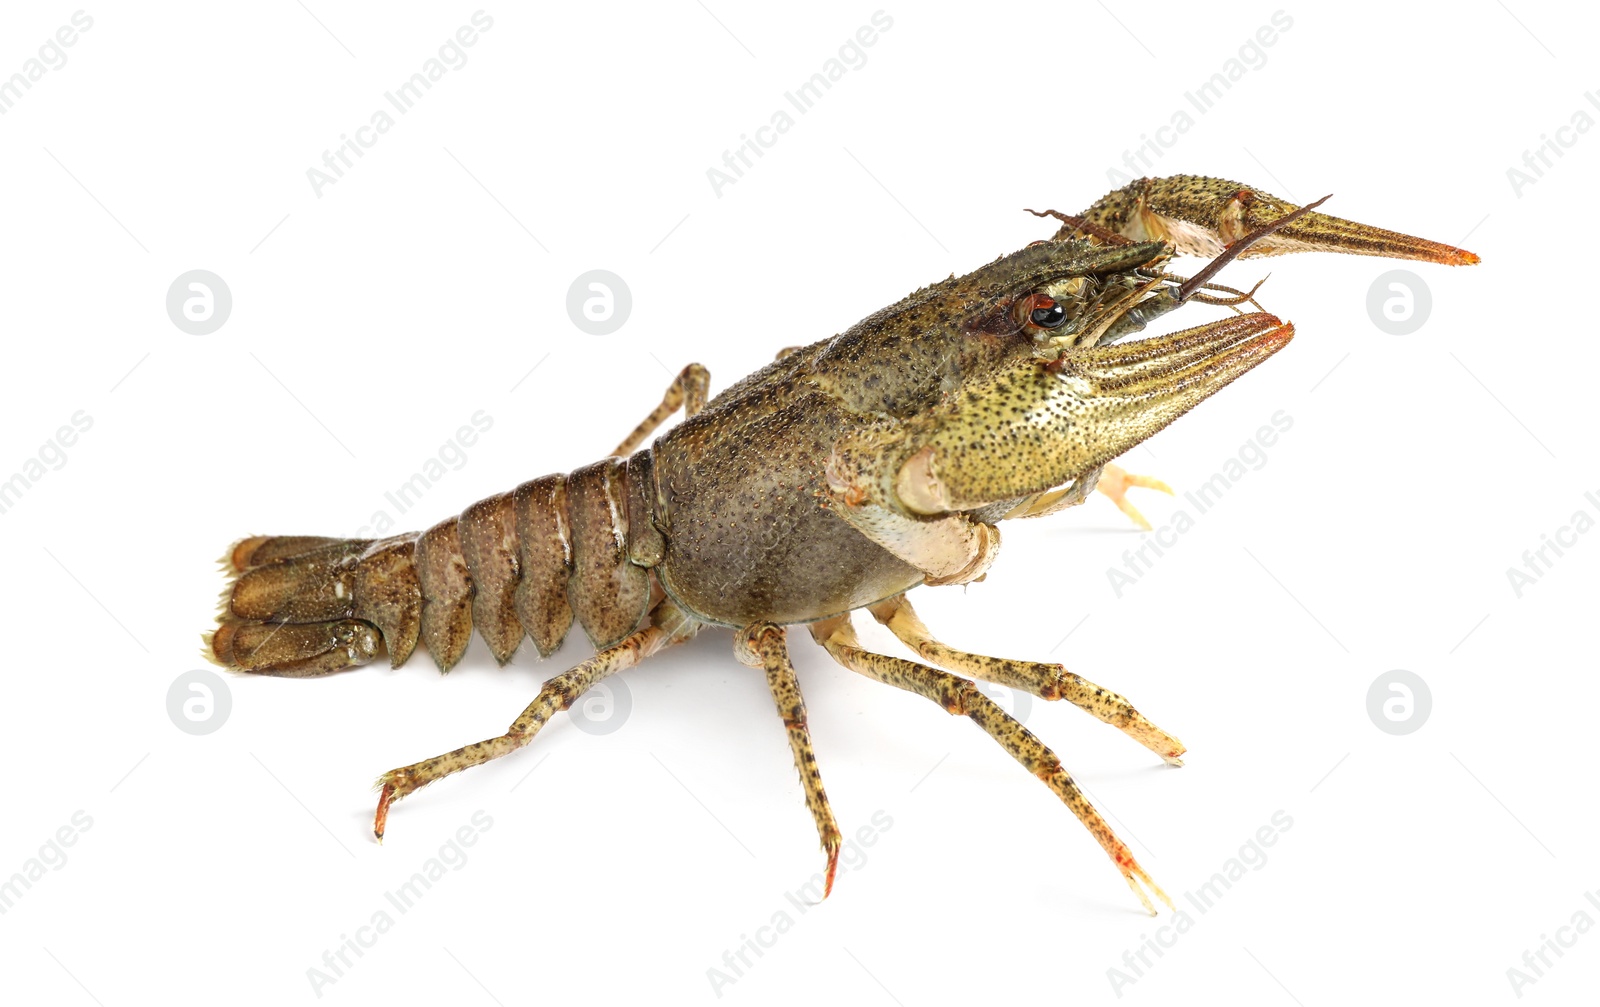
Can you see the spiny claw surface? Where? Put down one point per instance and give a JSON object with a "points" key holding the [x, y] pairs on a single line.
{"points": [[1203, 216]]}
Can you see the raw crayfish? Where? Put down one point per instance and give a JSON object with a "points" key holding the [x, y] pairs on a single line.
{"points": [[837, 478]]}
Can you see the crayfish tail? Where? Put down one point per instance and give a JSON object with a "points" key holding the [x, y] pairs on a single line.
{"points": [[294, 650], [563, 549], [300, 605], [257, 550]]}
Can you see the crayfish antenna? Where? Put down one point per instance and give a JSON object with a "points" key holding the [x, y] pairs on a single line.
{"points": [[1243, 245]]}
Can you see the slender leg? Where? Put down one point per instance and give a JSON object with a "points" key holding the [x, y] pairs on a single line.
{"points": [[1047, 681], [766, 646], [960, 697], [669, 625], [688, 389]]}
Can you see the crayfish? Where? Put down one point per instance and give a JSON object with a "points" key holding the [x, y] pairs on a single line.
{"points": [[837, 478]]}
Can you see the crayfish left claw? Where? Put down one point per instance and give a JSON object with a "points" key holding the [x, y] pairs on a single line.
{"points": [[1203, 216]]}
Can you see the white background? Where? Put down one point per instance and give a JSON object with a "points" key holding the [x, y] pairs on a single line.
{"points": [[371, 321]]}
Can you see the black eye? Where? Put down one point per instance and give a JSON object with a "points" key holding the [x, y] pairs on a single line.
{"points": [[1049, 318]]}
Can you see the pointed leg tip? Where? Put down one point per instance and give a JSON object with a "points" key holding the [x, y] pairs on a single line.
{"points": [[1164, 745], [1160, 894], [1173, 755], [833, 868], [1150, 483], [1144, 899], [380, 819], [1133, 513], [1133, 874]]}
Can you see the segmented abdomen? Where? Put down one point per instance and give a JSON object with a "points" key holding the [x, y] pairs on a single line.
{"points": [[525, 562]]}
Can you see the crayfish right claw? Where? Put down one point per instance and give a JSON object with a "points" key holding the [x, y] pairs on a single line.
{"points": [[1203, 216]]}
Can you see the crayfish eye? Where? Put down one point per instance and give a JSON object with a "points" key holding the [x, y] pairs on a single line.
{"points": [[1051, 316]]}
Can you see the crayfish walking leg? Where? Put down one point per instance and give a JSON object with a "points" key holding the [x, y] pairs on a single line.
{"points": [[689, 390], [1047, 681], [669, 625], [766, 646], [960, 697]]}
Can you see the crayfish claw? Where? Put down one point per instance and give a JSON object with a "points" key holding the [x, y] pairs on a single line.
{"points": [[1203, 216]]}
